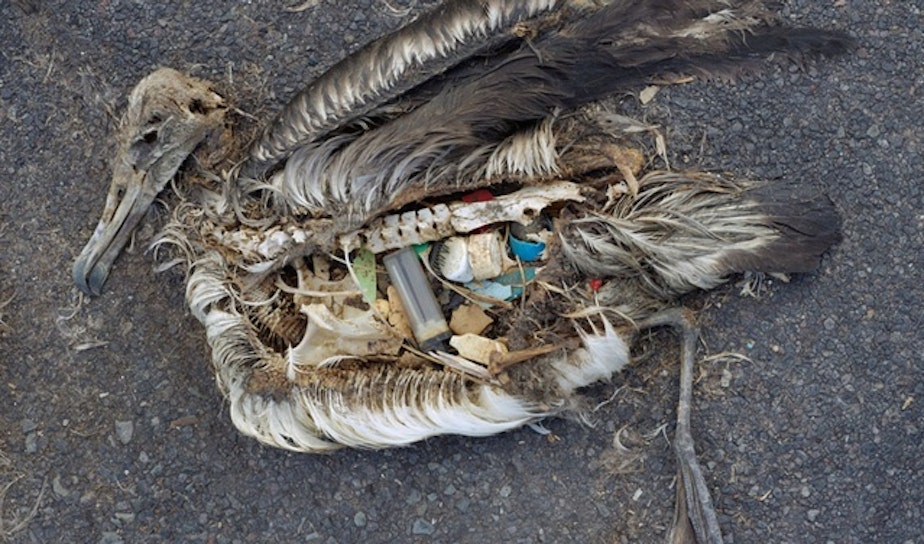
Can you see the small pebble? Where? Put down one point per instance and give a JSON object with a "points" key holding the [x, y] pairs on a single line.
{"points": [[125, 517], [124, 431], [423, 527], [414, 497], [31, 443], [812, 514], [359, 519], [110, 537], [59, 488]]}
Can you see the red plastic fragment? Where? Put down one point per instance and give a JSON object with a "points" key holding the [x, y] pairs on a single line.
{"points": [[480, 195]]}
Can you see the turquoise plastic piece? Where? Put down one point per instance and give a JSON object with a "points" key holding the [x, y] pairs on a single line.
{"points": [[526, 250]]}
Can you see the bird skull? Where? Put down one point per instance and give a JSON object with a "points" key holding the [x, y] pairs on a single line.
{"points": [[168, 115]]}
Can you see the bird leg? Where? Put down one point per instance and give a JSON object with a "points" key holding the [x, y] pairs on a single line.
{"points": [[695, 519]]}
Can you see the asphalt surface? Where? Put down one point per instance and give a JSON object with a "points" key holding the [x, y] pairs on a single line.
{"points": [[111, 429]]}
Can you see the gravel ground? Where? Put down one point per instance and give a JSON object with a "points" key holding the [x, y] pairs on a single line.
{"points": [[111, 429]]}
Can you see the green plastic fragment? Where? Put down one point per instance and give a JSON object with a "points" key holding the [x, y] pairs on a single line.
{"points": [[516, 278], [364, 268]]}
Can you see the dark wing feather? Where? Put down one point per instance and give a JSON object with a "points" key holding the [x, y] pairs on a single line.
{"points": [[469, 111], [389, 67]]}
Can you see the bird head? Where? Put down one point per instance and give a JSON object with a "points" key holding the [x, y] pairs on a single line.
{"points": [[168, 116]]}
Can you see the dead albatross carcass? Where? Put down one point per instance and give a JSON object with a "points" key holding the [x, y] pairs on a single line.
{"points": [[439, 236]]}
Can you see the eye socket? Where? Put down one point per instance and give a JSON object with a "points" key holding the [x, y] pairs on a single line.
{"points": [[197, 107], [143, 149], [149, 137]]}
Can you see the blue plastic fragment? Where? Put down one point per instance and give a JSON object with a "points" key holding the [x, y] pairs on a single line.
{"points": [[491, 289], [507, 286], [526, 250]]}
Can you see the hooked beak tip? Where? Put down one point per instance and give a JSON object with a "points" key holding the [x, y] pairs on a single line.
{"points": [[89, 278], [113, 232]]}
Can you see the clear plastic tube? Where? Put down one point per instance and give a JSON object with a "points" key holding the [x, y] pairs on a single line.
{"points": [[423, 311]]}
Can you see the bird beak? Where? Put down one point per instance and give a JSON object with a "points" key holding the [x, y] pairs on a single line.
{"points": [[168, 116], [127, 202]]}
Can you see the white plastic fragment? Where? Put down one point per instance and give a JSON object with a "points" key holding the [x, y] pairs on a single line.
{"points": [[452, 260], [486, 253], [477, 348]]}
